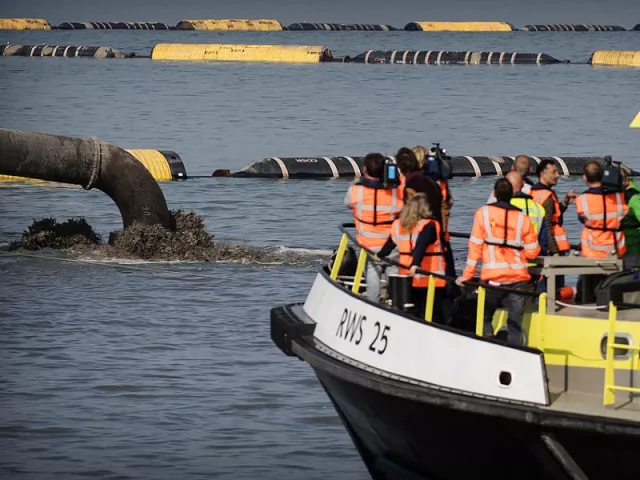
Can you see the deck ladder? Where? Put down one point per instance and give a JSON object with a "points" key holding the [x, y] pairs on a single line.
{"points": [[609, 370]]}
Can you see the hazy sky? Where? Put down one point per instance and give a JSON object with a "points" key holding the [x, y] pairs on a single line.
{"points": [[394, 12]]}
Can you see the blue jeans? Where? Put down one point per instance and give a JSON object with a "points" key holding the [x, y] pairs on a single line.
{"points": [[515, 310]]}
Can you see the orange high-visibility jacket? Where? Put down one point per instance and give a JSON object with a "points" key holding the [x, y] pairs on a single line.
{"points": [[602, 214], [541, 194], [504, 240], [433, 260], [374, 210]]}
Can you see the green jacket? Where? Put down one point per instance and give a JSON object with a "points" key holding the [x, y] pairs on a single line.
{"points": [[631, 223]]}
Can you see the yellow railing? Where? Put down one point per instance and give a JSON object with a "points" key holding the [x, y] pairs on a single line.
{"points": [[357, 279], [609, 369]]}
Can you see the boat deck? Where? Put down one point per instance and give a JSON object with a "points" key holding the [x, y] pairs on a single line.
{"points": [[589, 311], [589, 404]]}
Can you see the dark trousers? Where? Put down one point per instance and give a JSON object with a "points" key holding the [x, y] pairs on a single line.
{"points": [[515, 310], [419, 297]]}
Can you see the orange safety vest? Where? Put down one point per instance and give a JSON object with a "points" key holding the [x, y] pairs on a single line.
{"points": [[374, 210], [504, 239], [433, 260], [602, 233], [541, 195]]}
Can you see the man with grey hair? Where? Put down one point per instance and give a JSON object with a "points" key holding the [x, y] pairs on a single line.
{"points": [[520, 165]]}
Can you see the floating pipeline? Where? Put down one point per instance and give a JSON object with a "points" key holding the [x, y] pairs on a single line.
{"points": [[617, 58], [162, 164], [241, 53], [90, 163], [62, 51], [458, 27], [636, 28], [360, 27], [352, 167], [433, 57], [113, 26], [258, 25], [573, 28], [24, 24]]}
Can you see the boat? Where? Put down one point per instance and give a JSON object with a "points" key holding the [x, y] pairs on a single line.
{"points": [[422, 400]]}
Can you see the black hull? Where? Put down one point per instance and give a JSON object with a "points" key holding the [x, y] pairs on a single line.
{"points": [[408, 431], [401, 437]]}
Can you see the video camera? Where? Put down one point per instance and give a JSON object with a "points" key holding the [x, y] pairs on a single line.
{"points": [[437, 165], [390, 175], [612, 177]]}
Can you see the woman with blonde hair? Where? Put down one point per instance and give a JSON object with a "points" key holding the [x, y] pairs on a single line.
{"points": [[416, 234]]}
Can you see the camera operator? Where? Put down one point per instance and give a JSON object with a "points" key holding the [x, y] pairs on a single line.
{"points": [[376, 202], [436, 166]]}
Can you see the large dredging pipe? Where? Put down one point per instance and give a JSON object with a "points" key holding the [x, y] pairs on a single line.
{"points": [[353, 166], [90, 163]]}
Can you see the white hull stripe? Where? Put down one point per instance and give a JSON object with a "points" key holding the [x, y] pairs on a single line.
{"points": [[283, 167], [356, 168], [439, 57], [332, 166], [563, 165], [537, 160], [404, 57], [497, 167], [415, 57], [366, 57], [538, 58], [474, 164], [393, 56]]}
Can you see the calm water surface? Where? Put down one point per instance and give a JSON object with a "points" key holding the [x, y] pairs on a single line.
{"points": [[166, 371]]}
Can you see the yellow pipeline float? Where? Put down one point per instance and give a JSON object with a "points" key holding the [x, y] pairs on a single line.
{"points": [[24, 24], [162, 164], [228, 25], [628, 58], [241, 53], [458, 27]]}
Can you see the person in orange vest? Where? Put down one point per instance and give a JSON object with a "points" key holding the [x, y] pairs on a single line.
{"points": [[542, 193], [601, 212], [447, 201], [375, 207], [416, 234], [504, 240]]}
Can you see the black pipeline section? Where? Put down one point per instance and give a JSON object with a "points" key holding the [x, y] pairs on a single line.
{"points": [[573, 28], [361, 27], [434, 57], [636, 28], [351, 167], [89, 163], [62, 51], [113, 26]]}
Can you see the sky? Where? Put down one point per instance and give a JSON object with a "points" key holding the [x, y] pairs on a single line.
{"points": [[394, 12]]}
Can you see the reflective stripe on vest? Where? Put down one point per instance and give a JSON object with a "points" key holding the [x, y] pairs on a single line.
{"points": [[433, 260], [602, 227], [493, 244], [530, 208], [374, 213], [540, 196]]}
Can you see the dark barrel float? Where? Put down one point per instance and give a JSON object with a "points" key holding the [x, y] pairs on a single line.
{"points": [[360, 27], [434, 57], [573, 28], [62, 51], [90, 163], [113, 26], [636, 28], [352, 167]]}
